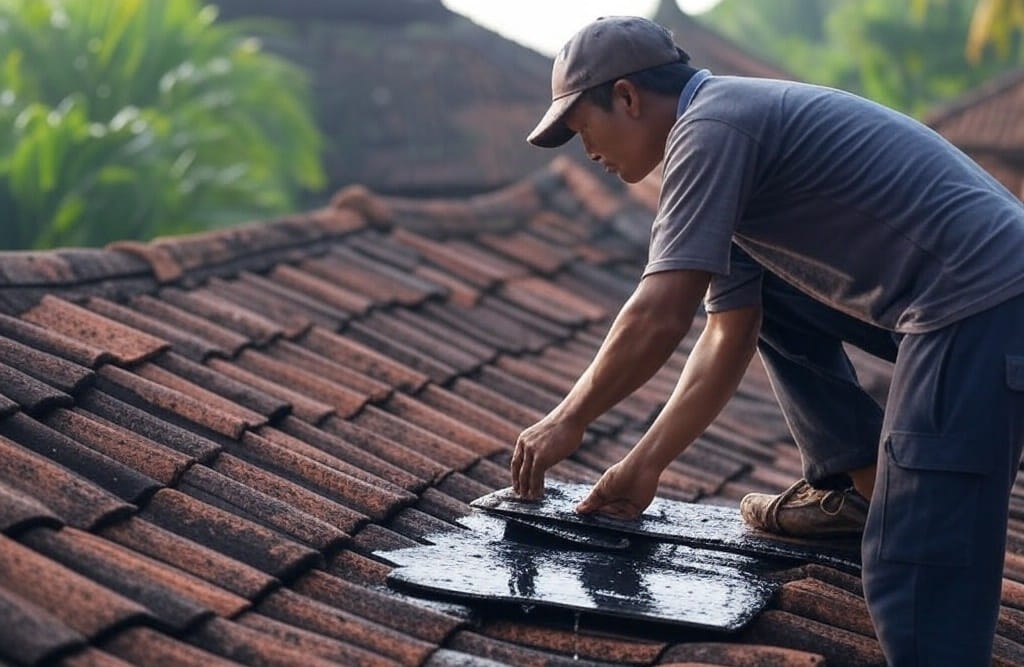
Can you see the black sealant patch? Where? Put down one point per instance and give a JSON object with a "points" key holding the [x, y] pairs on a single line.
{"points": [[705, 526], [668, 584]]}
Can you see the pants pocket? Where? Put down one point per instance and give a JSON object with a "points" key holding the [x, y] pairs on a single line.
{"points": [[930, 490]]}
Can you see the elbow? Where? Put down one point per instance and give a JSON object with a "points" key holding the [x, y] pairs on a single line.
{"points": [[656, 325]]}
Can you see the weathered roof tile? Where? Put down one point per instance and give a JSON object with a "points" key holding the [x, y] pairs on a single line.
{"points": [[229, 534], [449, 427], [353, 354], [62, 374], [225, 341], [311, 643], [185, 341], [320, 289], [408, 457], [112, 475], [450, 454], [145, 646], [30, 394], [19, 510], [237, 392], [209, 306], [125, 344], [302, 405], [345, 399], [411, 357], [838, 646], [162, 376], [751, 655], [29, 634], [292, 320], [579, 643]]}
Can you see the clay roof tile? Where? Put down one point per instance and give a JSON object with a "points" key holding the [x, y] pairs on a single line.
{"points": [[187, 342], [206, 305], [363, 358], [19, 510], [62, 374], [145, 646], [224, 341], [29, 634], [302, 406], [30, 394], [125, 344]]}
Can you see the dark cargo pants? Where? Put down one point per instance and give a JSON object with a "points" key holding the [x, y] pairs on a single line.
{"points": [[947, 446]]}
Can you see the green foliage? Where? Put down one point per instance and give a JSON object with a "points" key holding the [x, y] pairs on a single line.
{"points": [[126, 119], [908, 54]]}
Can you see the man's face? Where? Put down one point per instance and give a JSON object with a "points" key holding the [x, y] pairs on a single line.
{"points": [[617, 138]]}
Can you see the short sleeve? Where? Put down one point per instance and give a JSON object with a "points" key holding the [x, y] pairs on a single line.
{"points": [[707, 181], [741, 288]]}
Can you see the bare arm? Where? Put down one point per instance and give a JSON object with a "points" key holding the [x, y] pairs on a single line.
{"points": [[644, 334], [710, 377]]}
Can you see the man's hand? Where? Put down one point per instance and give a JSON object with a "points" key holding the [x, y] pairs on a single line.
{"points": [[623, 492], [538, 448]]}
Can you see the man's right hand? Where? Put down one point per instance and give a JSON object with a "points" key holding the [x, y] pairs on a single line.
{"points": [[538, 448]]}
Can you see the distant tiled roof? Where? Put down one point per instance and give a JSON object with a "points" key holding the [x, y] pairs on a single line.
{"points": [[204, 439], [986, 124], [709, 49]]}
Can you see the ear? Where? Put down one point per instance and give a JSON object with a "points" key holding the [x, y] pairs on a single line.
{"points": [[625, 92]]}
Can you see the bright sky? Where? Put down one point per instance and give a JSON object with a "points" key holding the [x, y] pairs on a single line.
{"points": [[545, 25]]}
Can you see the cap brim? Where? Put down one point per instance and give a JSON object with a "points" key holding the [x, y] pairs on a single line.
{"points": [[551, 131]]}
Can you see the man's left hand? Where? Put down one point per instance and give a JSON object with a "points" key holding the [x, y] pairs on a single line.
{"points": [[623, 492]]}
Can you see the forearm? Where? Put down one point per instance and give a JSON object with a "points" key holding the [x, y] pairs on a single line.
{"points": [[712, 373]]}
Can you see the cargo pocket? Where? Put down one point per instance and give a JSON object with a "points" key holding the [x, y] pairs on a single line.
{"points": [[930, 498]]}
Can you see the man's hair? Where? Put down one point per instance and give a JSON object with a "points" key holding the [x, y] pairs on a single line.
{"points": [[664, 79]]}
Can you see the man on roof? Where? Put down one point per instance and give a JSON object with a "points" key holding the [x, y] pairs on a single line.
{"points": [[806, 218]]}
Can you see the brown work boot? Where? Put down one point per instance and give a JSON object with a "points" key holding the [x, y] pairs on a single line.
{"points": [[804, 511]]}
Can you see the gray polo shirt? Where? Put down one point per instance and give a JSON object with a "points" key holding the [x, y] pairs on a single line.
{"points": [[855, 204]]}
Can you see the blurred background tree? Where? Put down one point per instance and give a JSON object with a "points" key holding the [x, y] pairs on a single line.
{"points": [[908, 54], [126, 119]]}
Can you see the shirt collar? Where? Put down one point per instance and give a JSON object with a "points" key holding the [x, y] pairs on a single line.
{"points": [[690, 89]]}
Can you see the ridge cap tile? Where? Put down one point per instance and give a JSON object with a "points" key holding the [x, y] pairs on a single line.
{"points": [[125, 344], [110, 474], [230, 534], [75, 500], [82, 604]]}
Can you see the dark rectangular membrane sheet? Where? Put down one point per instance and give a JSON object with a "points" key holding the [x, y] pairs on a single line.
{"points": [[652, 585], [705, 526]]}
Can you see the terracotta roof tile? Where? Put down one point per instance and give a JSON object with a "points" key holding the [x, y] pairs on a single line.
{"points": [[359, 569], [29, 393], [224, 341], [454, 428], [112, 475], [415, 462], [421, 526], [152, 459], [185, 341], [302, 304], [817, 600], [159, 374], [442, 351], [246, 501], [93, 657], [104, 407], [399, 285], [530, 250], [29, 634], [354, 454], [746, 656], [378, 246], [144, 646], [506, 652], [81, 604], [7, 406], [206, 305], [481, 350], [449, 258], [495, 402], [18, 510], [320, 289], [324, 367], [299, 610], [292, 320], [252, 647], [377, 539], [360, 357], [487, 327], [538, 324], [838, 646], [585, 645], [75, 500], [463, 488], [447, 453], [344, 399], [125, 344], [412, 619], [150, 393], [411, 357], [455, 290], [313, 644], [326, 475], [498, 380], [437, 503], [176, 598], [296, 496], [62, 374], [236, 392], [186, 555], [302, 406], [481, 418], [229, 534]]}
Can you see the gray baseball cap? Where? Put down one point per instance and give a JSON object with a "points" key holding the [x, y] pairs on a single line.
{"points": [[607, 49]]}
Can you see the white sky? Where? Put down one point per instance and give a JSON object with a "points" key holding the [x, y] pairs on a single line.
{"points": [[545, 25]]}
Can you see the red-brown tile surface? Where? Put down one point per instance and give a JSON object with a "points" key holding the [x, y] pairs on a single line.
{"points": [[59, 373], [296, 356], [409, 456], [417, 360], [225, 341], [302, 405], [19, 510], [345, 399], [237, 642], [450, 454], [144, 646], [29, 634], [362, 358], [30, 394], [314, 644], [187, 342], [292, 319], [839, 647], [209, 306], [125, 344], [320, 289], [735, 655], [449, 426], [587, 646]]}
